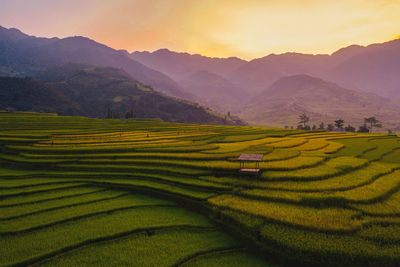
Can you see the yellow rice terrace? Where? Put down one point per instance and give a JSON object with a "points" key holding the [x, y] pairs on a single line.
{"points": [[78, 191]]}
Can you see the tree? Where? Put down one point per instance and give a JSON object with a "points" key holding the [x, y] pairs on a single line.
{"points": [[303, 119], [321, 126], [363, 129], [339, 123], [129, 114], [350, 128], [372, 122], [330, 127]]}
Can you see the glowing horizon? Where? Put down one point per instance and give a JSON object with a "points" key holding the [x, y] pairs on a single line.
{"points": [[245, 29]]}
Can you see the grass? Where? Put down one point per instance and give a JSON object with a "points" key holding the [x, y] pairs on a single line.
{"points": [[49, 240], [343, 249], [238, 146], [229, 259], [322, 197], [38, 220], [155, 186], [241, 138], [312, 145], [21, 210], [328, 219], [384, 146], [322, 247], [163, 248], [155, 155], [354, 146], [387, 207], [290, 143], [347, 180], [105, 167], [49, 195], [5, 192], [329, 168], [21, 182], [392, 157], [378, 189], [387, 235], [281, 154], [291, 163], [332, 148]]}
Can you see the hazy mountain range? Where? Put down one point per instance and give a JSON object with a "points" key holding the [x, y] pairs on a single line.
{"points": [[76, 89], [352, 83]]}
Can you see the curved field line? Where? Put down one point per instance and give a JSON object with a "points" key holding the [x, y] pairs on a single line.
{"points": [[40, 191], [159, 191], [82, 217], [28, 190], [49, 199], [348, 200], [315, 178], [197, 255], [283, 158], [44, 257], [311, 149], [61, 207], [373, 179], [289, 143], [33, 185], [298, 226]]}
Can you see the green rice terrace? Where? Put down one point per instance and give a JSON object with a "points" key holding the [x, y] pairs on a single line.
{"points": [[78, 191]]}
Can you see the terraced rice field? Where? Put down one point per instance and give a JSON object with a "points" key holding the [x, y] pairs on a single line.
{"points": [[78, 191]]}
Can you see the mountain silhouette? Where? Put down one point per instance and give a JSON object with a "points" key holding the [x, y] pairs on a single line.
{"points": [[76, 89], [24, 55]]}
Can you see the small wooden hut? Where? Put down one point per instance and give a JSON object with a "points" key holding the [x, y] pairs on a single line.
{"points": [[243, 158]]}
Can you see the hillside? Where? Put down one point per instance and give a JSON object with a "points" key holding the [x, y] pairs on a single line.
{"points": [[284, 100], [25, 55], [95, 92], [374, 68], [205, 78], [179, 65], [260, 73], [213, 90]]}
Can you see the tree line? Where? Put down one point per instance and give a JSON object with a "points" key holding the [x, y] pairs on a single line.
{"points": [[369, 124]]}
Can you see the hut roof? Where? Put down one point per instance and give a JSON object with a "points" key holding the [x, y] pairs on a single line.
{"points": [[251, 157]]}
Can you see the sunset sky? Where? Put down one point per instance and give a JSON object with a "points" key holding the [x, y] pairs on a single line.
{"points": [[243, 28]]}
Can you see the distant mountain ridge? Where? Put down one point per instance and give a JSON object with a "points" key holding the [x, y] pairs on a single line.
{"points": [[364, 74], [76, 89], [285, 99], [370, 69], [374, 68], [203, 77], [185, 64], [24, 55]]}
